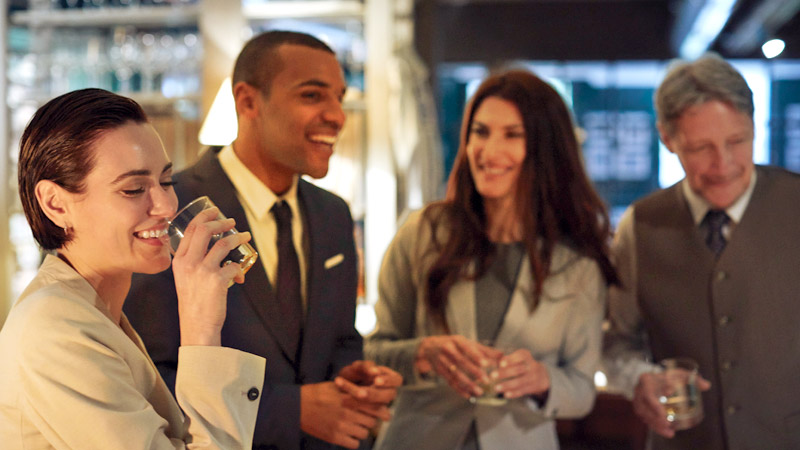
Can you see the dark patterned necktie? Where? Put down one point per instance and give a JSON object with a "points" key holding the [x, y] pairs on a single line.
{"points": [[287, 285], [716, 219]]}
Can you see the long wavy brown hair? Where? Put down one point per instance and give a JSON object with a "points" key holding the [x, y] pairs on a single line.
{"points": [[555, 200]]}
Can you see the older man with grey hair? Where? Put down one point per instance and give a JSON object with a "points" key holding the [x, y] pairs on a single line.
{"points": [[711, 271]]}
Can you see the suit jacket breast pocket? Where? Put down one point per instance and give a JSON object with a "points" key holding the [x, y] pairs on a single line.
{"points": [[333, 261]]}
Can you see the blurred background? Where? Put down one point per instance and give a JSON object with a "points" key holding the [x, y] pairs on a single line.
{"points": [[410, 66]]}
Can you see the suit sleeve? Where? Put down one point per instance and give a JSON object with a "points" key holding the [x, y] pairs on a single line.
{"points": [[94, 401], [152, 307], [394, 342], [625, 343], [572, 390]]}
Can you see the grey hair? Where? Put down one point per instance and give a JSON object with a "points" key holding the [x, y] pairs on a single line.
{"points": [[693, 83]]}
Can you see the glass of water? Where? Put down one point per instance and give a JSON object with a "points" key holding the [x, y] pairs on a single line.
{"points": [[243, 254], [490, 397]]}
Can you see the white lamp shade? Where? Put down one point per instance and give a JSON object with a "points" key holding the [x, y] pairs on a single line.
{"points": [[220, 126]]}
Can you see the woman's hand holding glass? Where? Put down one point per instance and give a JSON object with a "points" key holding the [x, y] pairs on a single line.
{"points": [[200, 279], [456, 359], [519, 374]]}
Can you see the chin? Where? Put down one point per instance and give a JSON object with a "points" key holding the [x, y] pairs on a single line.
{"points": [[154, 266], [317, 173]]}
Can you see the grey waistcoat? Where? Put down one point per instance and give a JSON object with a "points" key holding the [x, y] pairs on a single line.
{"points": [[739, 316]]}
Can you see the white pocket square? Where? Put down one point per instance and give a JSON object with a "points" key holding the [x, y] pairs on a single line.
{"points": [[334, 261]]}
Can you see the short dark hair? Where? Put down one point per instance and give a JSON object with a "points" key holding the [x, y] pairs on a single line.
{"points": [[57, 146], [257, 63]]}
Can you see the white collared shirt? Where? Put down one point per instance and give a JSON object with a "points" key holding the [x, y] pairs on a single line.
{"points": [[699, 207], [257, 200]]}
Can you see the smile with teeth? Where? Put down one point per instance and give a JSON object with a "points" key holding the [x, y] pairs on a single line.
{"points": [[150, 234], [494, 170], [323, 139]]}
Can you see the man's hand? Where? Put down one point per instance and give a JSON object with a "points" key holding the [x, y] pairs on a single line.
{"points": [[331, 415], [649, 409], [372, 388]]}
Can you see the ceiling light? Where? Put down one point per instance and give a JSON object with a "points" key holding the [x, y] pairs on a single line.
{"points": [[706, 26], [773, 48]]}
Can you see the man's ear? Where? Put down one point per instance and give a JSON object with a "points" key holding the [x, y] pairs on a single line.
{"points": [[665, 137], [53, 200], [247, 99]]}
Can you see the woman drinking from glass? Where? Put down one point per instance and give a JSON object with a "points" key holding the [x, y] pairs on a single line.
{"points": [[96, 188]]}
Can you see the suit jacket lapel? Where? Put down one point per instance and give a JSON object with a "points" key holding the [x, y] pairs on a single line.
{"points": [[461, 308], [315, 230], [257, 290]]}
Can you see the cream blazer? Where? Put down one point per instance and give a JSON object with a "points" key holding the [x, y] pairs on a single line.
{"points": [[563, 333], [73, 379]]}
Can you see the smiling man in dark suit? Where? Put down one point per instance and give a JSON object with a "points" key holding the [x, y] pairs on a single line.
{"points": [[297, 306]]}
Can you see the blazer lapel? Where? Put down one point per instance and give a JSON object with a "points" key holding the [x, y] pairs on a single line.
{"points": [[461, 308], [256, 290], [317, 234]]}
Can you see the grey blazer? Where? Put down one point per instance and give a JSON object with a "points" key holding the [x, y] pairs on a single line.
{"points": [[563, 332]]}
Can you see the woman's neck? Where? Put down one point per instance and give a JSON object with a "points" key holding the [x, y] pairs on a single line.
{"points": [[503, 224], [112, 288]]}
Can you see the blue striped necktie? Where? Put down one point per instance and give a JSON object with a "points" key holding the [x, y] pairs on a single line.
{"points": [[715, 240]]}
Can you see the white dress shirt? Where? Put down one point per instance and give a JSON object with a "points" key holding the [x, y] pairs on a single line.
{"points": [[257, 200]]}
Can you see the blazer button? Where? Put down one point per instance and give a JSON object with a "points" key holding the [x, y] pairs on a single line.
{"points": [[252, 394]]}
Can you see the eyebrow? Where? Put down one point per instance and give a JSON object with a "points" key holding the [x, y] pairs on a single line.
{"points": [[507, 127], [139, 173]]}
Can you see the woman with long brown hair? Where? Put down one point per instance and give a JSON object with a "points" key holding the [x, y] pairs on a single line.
{"points": [[511, 267]]}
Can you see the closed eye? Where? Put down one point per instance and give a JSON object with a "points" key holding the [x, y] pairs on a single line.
{"points": [[311, 95], [133, 192]]}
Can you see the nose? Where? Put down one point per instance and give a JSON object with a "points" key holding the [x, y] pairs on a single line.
{"points": [[722, 156], [492, 145], [164, 203], [334, 114]]}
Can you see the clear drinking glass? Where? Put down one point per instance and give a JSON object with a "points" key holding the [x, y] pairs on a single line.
{"points": [[679, 393], [243, 254], [490, 397]]}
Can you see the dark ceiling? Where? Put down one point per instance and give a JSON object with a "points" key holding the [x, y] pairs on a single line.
{"points": [[496, 30]]}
